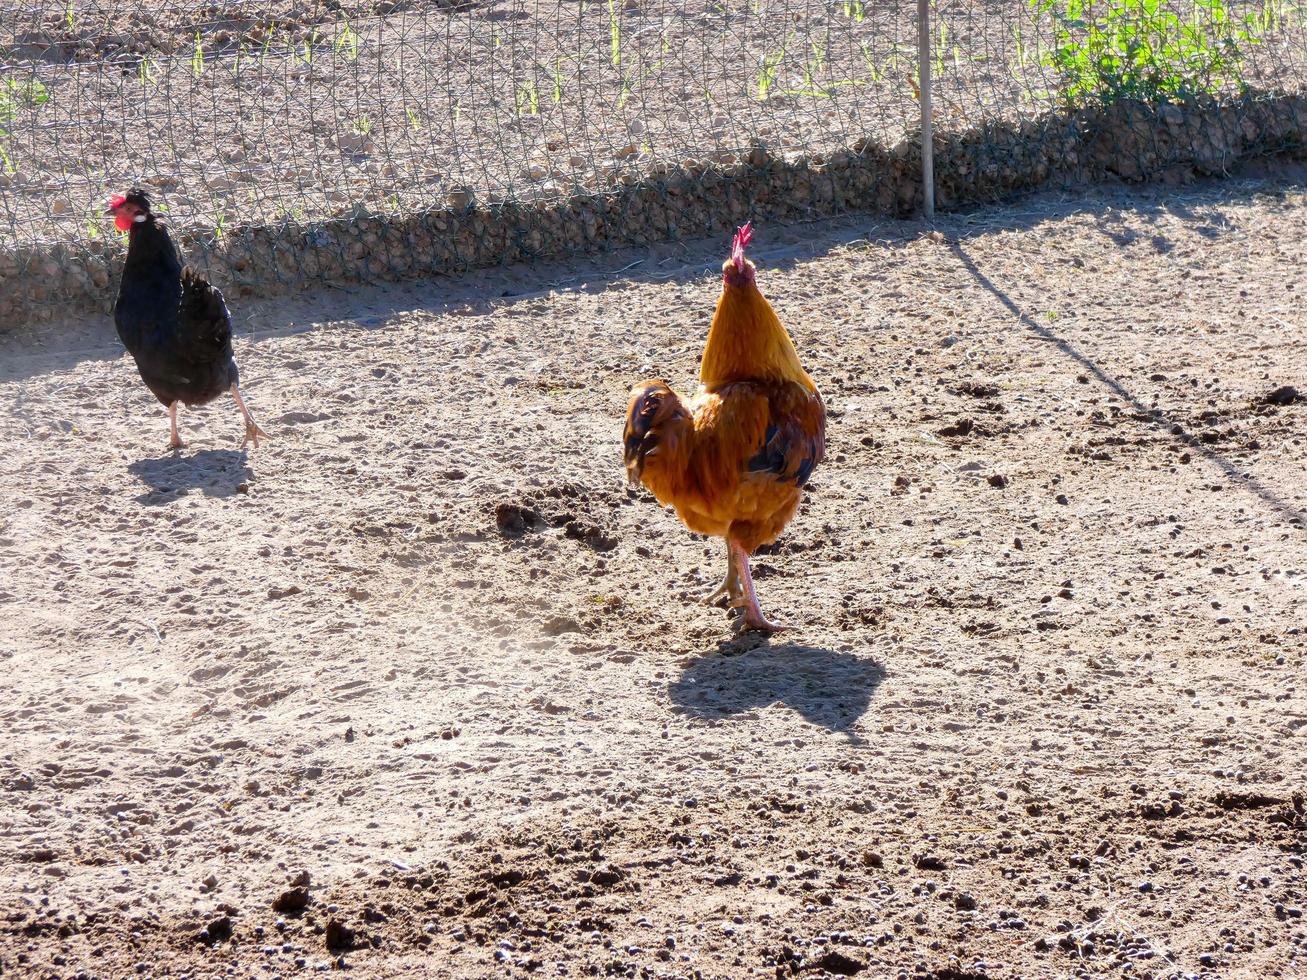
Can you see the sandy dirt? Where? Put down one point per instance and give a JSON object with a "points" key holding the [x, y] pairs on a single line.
{"points": [[420, 687]]}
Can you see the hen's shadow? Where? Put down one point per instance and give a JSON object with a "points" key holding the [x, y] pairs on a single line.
{"points": [[213, 472], [827, 687]]}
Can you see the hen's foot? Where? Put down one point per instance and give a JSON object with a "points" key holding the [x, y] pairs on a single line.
{"points": [[252, 433], [252, 430], [174, 437]]}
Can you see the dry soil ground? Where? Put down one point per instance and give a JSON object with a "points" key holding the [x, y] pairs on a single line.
{"points": [[419, 687]]}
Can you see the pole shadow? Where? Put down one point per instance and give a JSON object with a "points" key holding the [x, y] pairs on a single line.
{"points": [[1157, 418]]}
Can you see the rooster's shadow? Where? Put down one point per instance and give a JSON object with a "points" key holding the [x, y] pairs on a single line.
{"points": [[826, 687], [213, 472]]}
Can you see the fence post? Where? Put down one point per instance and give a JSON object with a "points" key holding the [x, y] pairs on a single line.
{"points": [[927, 129]]}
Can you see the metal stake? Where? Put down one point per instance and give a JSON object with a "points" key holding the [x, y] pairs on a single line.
{"points": [[927, 130]]}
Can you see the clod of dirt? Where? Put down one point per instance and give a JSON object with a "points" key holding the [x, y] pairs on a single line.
{"points": [[291, 900], [961, 427], [299, 879], [1283, 395], [590, 535], [833, 961], [998, 481], [217, 931], [977, 389], [558, 625], [514, 520], [607, 877], [965, 901], [929, 862], [338, 936]]}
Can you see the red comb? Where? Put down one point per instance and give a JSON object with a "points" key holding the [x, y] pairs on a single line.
{"points": [[117, 201], [743, 235]]}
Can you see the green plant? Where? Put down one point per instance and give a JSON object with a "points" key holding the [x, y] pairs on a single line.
{"points": [[197, 57], [615, 33], [769, 70], [528, 99], [16, 98], [362, 125], [414, 119], [557, 74], [1138, 49], [304, 54], [854, 10], [347, 42]]}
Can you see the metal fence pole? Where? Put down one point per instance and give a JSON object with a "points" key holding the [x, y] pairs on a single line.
{"points": [[927, 131]]}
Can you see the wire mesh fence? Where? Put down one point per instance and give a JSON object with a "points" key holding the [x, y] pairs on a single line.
{"points": [[326, 139]]}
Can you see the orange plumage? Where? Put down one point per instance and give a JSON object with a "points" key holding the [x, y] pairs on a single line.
{"points": [[732, 461]]}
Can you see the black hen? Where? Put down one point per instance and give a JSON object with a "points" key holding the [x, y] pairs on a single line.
{"points": [[172, 321]]}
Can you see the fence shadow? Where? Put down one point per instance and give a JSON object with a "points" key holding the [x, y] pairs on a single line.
{"points": [[213, 472], [1156, 417], [826, 687]]}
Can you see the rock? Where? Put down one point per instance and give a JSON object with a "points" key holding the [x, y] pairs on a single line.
{"points": [[965, 901], [292, 900], [338, 936], [300, 879]]}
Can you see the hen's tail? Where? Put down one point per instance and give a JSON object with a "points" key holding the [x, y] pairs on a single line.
{"points": [[204, 317], [652, 409]]}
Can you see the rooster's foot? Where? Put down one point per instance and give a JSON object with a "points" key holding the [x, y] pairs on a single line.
{"points": [[730, 588], [761, 624]]}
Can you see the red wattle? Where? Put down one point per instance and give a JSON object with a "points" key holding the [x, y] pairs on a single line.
{"points": [[122, 222]]}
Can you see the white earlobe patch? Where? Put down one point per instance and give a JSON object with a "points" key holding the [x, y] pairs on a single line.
{"points": [[139, 218]]}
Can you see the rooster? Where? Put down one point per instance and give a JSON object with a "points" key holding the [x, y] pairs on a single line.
{"points": [[733, 460], [173, 322]]}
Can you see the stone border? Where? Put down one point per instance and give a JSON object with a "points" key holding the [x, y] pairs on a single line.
{"points": [[1132, 141]]}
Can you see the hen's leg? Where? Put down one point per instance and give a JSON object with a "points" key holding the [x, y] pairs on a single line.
{"points": [[730, 586], [252, 430], [753, 617], [174, 437]]}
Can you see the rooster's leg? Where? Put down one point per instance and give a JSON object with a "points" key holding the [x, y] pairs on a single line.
{"points": [[730, 586], [252, 430], [753, 617], [174, 437]]}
